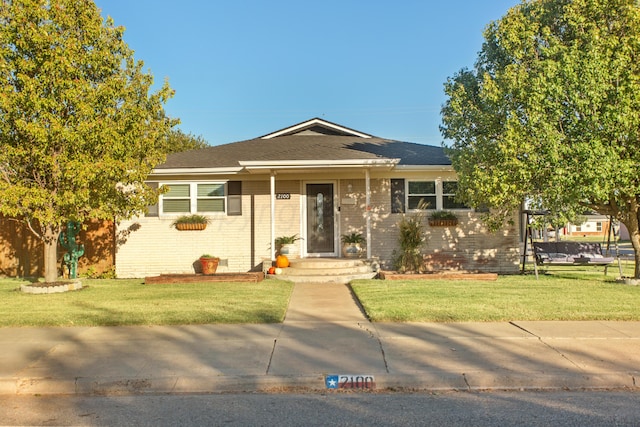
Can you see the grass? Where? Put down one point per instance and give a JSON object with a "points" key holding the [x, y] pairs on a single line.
{"points": [[130, 302], [556, 296]]}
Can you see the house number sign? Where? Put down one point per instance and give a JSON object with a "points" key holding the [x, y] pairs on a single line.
{"points": [[350, 381], [283, 196]]}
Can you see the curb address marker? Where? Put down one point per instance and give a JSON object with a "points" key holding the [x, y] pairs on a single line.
{"points": [[343, 381]]}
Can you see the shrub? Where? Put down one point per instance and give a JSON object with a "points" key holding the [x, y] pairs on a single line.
{"points": [[442, 215], [191, 219], [353, 238], [411, 240], [287, 240]]}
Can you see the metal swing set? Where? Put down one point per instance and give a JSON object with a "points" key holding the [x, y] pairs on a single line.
{"points": [[568, 253]]}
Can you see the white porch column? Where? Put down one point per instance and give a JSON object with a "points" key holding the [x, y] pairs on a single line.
{"points": [[273, 215], [368, 213]]}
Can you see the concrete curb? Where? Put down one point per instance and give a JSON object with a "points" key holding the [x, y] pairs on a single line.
{"points": [[473, 381]]}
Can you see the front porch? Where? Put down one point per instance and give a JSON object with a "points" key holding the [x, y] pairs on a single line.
{"points": [[328, 270]]}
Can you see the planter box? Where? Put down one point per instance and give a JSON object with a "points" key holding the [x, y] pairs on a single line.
{"points": [[183, 227], [52, 288], [199, 278], [444, 275], [443, 222]]}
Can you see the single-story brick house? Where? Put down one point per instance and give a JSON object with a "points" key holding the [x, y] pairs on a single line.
{"points": [[315, 179]]}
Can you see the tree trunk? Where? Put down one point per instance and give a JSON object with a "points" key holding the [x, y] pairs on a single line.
{"points": [[634, 234], [50, 238], [635, 242]]}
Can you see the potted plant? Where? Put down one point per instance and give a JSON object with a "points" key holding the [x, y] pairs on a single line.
{"points": [[442, 219], [191, 222], [351, 244], [286, 245], [209, 263]]}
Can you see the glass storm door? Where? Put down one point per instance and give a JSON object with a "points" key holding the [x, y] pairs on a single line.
{"points": [[320, 220]]}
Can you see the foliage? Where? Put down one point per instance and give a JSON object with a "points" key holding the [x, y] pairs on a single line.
{"points": [[442, 215], [79, 129], [352, 238], [208, 256], [191, 219], [287, 240], [92, 273], [569, 296], [177, 141], [130, 302], [411, 239], [551, 113]]}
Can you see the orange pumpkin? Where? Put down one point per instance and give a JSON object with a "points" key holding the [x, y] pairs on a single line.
{"points": [[272, 270], [282, 261]]}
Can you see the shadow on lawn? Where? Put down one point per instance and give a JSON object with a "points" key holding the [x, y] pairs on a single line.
{"points": [[215, 358]]}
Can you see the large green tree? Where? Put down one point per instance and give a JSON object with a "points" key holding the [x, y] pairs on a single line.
{"points": [[178, 141], [80, 128], [551, 112]]}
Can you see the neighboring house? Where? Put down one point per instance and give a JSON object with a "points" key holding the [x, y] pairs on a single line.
{"points": [[318, 180], [594, 225]]}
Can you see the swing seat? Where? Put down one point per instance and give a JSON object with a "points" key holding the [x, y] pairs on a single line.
{"points": [[570, 253]]}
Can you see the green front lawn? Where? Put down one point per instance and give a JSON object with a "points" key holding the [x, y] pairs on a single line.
{"points": [[557, 296], [130, 302]]}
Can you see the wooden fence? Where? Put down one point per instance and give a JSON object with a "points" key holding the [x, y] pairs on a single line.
{"points": [[22, 253]]}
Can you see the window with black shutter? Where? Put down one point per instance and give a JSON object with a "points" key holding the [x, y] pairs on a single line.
{"points": [[397, 196], [234, 198]]}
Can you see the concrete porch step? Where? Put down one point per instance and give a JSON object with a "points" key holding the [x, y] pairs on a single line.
{"points": [[342, 279], [328, 273], [325, 263], [328, 270]]}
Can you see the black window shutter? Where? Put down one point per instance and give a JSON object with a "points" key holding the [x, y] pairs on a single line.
{"points": [[234, 198], [152, 210], [397, 196]]}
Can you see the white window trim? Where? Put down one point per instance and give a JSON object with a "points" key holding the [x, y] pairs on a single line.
{"points": [[439, 194], [442, 196], [407, 195], [193, 199]]}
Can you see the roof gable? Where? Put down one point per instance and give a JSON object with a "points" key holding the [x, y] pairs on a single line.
{"points": [[316, 127], [315, 143]]}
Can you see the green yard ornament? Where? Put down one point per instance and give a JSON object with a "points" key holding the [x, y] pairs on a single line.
{"points": [[67, 239]]}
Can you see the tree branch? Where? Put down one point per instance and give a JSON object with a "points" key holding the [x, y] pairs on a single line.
{"points": [[38, 235]]}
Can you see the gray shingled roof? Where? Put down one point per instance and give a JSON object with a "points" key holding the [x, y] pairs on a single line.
{"points": [[304, 146]]}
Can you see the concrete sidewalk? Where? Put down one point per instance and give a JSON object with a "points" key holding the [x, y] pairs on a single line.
{"points": [[324, 333]]}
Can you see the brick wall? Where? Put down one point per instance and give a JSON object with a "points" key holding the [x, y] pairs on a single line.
{"points": [[467, 246], [151, 246]]}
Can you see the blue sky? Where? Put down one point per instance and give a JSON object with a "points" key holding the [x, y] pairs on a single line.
{"points": [[245, 68]]}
